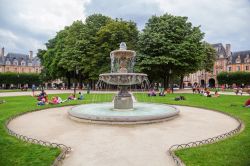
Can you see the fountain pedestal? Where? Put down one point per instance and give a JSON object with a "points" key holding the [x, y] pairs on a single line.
{"points": [[123, 100], [123, 103]]}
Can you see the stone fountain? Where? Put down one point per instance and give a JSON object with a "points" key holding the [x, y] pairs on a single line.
{"points": [[122, 74], [123, 111]]}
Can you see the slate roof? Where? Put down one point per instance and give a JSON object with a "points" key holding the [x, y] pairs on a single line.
{"points": [[19, 57], [241, 54], [220, 49]]}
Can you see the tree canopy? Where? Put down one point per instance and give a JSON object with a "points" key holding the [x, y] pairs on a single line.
{"points": [[170, 44], [85, 47]]}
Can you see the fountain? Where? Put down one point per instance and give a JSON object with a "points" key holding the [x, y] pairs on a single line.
{"points": [[122, 74], [123, 110]]}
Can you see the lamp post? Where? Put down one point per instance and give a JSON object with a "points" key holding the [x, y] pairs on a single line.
{"points": [[170, 80], [18, 80], [76, 73]]}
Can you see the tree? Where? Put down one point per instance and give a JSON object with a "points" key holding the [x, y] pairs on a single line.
{"points": [[108, 39], [85, 47], [209, 57], [170, 43]]}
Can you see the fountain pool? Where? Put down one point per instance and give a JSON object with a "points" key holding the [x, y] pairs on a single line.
{"points": [[141, 113]]}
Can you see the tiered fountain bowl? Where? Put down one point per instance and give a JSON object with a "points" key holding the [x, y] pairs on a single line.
{"points": [[123, 110]]}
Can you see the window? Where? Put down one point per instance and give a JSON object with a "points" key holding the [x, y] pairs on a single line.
{"points": [[29, 70], [229, 68], [247, 67], [22, 70], [15, 62], [15, 69], [7, 69], [247, 59], [238, 68], [36, 70], [238, 59], [7, 62], [23, 63]]}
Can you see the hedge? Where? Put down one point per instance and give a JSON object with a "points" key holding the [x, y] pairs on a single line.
{"points": [[234, 78], [20, 78]]}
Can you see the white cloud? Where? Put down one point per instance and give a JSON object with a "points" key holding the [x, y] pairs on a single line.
{"points": [[27, 24], [223, 21], [37, 20]]}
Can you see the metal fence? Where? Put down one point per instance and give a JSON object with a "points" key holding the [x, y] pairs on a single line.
{"points": [[173, 148], [65, 149]]}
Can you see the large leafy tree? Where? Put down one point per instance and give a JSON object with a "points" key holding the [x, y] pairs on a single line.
{"points": [[108, 39], [85, 47], [170, 45]]}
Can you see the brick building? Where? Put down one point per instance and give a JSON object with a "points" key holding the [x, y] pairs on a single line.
{"points": [[19, 63], [226, 60]]}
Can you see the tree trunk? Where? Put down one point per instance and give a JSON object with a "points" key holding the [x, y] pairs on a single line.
{"points": [[181, 82], [68, 78], [166, 81], [80, 81]]}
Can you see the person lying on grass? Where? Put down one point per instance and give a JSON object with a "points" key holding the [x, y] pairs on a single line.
{"points": [[55, 100], [247, 103]]}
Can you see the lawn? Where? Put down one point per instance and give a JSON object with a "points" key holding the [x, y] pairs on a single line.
{"points": [[234, 151], [9, 90], [15, 152]]}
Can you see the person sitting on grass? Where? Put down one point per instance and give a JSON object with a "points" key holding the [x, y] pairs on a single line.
{"points": [[247, 103], [216, 94], [42, 95], [162, 93], [42, 102], [81, 97], [151, 92], [71, 97]]}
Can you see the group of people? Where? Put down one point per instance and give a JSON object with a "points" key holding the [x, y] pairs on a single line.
{"points": [[152, 92], [239, 91], [204, 91], [43, 98]]}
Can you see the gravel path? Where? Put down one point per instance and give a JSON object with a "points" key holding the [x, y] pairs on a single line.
{"points": [[117, 145]]}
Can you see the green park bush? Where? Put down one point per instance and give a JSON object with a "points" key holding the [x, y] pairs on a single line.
{"points": [[20, 78], [234, 78]]}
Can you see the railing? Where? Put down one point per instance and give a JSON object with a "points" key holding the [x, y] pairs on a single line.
{"points": [[65, 149], [173, 148]]}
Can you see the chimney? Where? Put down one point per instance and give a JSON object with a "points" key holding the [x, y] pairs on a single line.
{"points": [[2, 52], [31, 54], [228, 49]]}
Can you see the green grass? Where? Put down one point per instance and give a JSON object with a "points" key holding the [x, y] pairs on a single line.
{"points": [[234, 151], [9, 90], [15, 152]]}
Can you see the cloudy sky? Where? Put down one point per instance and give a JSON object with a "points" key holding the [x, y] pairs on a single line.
{"points": [[27, 24]]}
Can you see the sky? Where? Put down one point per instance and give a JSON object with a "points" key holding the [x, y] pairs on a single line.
{"points": [[28, 24]]}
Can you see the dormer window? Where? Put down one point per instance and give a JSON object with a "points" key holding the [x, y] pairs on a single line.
{"points": [[7, 62], [15, 62], [238, 60], [23, 63], [247, 59]]}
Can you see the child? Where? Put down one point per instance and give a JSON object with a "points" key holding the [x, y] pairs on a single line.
{"points": [[81, 97]]}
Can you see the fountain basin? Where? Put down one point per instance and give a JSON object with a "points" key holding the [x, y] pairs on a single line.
{"points": [[106, 114], [123, 78]]}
